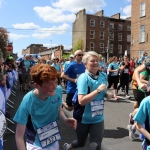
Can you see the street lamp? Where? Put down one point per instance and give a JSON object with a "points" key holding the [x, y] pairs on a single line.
{"points": [[51, 46]]}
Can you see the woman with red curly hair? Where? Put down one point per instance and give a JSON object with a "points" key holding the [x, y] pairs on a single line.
{"points": [[39, 111]]}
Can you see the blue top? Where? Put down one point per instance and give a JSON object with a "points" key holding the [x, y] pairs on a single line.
{"points": [[101, 63], [113, 66], [56, 66], [143, 111], [85, 81], [32, 62], [27, 63], [66, 64], [35, 113], [73, 71]]}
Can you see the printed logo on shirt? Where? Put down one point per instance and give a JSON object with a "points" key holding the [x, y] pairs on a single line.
{"points": [[56, 100]]}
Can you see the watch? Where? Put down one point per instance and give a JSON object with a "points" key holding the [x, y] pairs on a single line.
{"points": [[98, 91]]}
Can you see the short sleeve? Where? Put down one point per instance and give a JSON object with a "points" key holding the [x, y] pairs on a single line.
{"points": [[82, 84], [68, 69], [142, 113], [22, 113]]}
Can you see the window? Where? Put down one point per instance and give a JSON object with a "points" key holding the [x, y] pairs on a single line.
{"points": [[92, 23], [102, 24], [119, 36], [101, 47], [92, 34], [120, 26], [111, 25], [111, 35], [119, 49], [128, 49], [91, 46], [142, 33], [111, 48], [101, 35], [128, 38], [142, 9], [128, 27]]}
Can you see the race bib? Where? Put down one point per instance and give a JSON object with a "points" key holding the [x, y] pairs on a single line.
{"points": [[48, 134], [115, 73], [97, 108], [3, 124], [126, 70]]}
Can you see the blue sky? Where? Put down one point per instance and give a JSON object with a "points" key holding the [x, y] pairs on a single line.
{"points": [[49, 22]]}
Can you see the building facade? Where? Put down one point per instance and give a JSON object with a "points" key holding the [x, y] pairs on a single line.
{"points": [[109, 36], [33, 49], [140, 28]]}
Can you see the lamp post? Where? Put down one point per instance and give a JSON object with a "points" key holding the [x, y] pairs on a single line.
{"points": [[51, 46]]}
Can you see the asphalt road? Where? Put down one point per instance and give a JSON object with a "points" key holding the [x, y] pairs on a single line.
{"points": [[115, 134]]}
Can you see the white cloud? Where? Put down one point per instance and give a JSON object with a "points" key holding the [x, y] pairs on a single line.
{"points": [[129, 1], [2, 1], [47, 32], [41, 36], [76, 5], [17, 36], [26, 26], [127, 10], [53, 15]]}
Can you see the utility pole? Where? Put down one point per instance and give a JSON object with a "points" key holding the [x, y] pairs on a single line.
{"points": [[108, 45], [51, 46]]}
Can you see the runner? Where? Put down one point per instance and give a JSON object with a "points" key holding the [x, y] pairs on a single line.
{"points": [[39, 111], [88, 109]]}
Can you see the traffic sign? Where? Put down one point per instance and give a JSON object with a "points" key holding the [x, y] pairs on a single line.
{"points": [[9, 47]]}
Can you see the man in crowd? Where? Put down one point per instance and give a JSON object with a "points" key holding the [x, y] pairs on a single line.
{"points": [[71, 74]]}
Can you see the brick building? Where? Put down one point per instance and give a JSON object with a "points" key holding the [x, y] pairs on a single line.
{"points": [[140, 27], [101, 33], [33, 49]]}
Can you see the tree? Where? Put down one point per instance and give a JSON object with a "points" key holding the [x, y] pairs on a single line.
{"points": [[3, 41], [78, 45]]}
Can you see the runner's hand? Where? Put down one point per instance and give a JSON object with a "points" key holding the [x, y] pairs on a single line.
{"points": [[102, 87], [71, 122], [143, 86]]}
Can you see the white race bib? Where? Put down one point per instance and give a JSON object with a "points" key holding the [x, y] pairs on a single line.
{"points": [[48, 134], [126, 70], [97, 107]]}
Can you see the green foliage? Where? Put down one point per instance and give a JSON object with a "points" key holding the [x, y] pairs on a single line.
{"points": [[78, 45], [3, 41], [65, 56]]}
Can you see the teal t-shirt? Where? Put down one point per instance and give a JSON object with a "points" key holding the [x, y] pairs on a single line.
{"points": [[113, 66], [35, 113], [56, 66], [83, 82]]}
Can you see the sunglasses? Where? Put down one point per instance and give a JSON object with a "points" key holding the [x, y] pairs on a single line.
{"points": [[54, 59], [80, 55]]}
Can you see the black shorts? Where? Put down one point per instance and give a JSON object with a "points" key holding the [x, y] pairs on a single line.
{"points": [[138, 95], [69, 99]]}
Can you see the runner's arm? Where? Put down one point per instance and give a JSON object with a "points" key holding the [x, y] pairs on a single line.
{"points": [[64, 76], [137, 76], [142, 79], [20, 130], [142, 130], [68, 121]]}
